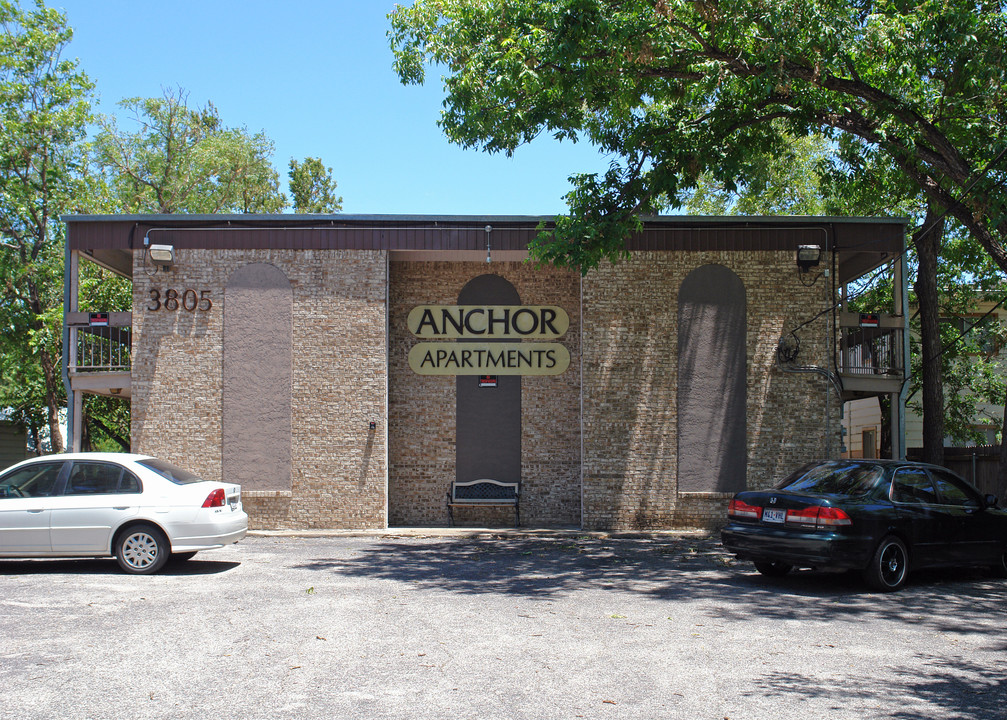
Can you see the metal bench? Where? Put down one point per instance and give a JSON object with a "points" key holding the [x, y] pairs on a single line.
{"points": [[483, 493]]}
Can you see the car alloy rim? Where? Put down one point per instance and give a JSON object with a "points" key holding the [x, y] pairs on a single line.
{"points": [[892, 564], [140, 550]]}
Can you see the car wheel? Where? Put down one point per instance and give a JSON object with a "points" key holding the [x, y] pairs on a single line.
{"points": [[180, 557], [773, 569], [888, 568], [142, 550], [1000, 569]]}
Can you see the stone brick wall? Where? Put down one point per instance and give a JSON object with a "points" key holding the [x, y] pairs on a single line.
{"points": [[350, 368], [630, 379], [422, 408], [338, 380]]}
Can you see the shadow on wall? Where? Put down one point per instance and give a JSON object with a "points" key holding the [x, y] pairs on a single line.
{"points": [[712, 382], [665, 394]]}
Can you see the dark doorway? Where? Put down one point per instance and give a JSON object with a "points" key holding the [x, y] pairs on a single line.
{"points": [[488, 415]]}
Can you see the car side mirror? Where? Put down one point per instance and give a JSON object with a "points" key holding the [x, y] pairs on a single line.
{"points": [[990, 500]]}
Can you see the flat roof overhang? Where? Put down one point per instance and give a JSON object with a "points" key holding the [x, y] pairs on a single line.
{"points": [[862, 244]]}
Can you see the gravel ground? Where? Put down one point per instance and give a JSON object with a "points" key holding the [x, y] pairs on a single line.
{"points": [[496, 626]]}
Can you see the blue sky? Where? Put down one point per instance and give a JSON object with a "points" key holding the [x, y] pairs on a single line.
{"points": [[316, 77]]}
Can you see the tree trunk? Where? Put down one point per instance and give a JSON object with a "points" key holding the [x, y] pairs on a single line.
{"points": [[36, 440], [1002, 470], [90, 420], [85, 430], [49, 373], [927, 241], [885, 405]]}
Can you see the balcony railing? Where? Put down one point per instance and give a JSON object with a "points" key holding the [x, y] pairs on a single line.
{"points": [[102, 349], [100, 342], [871, 354], [871, 351]]}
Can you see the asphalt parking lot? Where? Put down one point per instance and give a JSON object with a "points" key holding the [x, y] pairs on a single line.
{"points": [[513, 626]]}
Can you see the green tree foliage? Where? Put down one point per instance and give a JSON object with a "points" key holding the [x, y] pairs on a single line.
{"points": [[312, 187], [176, 160], [183, 160], [105, 420], [44, 110], [678, 89], [785, 184], [688, 93], [951, 376]]}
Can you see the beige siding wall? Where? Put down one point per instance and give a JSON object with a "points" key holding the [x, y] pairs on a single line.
{"points": [[13, 445]]}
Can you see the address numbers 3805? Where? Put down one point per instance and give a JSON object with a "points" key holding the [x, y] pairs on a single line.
{"points": [[172, 300]]}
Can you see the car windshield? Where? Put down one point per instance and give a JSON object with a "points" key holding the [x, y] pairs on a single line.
{"points": [[170, 472], [834, 478]]}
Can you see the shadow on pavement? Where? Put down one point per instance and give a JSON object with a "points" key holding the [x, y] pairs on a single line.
{"points": [[950, 604], [107, 566], [669, 569]]}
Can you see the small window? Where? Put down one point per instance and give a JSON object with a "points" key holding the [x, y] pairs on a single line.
{"points": [[870, 443], [953, 491], [94, 478], [34, 480], [129, 483], [982, 333], [912, 485]]}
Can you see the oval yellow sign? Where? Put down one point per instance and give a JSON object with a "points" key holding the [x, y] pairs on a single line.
{"points": [[474, 358], [488, 322]]}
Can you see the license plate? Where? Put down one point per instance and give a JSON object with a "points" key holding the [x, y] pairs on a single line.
{"points": [[770, 515]]}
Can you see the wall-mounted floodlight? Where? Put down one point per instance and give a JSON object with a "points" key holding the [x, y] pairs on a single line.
{"points": [[163, 255], [808, 256]]}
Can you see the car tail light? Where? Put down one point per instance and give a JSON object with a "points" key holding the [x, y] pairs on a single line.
{"points": [[832, 516], [215, 499], [740, 508], [819, 516], [805, 516]]}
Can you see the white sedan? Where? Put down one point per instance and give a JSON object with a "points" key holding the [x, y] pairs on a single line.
{"points": [[139, 509]]}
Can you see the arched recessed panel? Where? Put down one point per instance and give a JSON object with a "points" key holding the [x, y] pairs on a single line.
{"points": [[258, 355], [488, 419], [712, 381]]}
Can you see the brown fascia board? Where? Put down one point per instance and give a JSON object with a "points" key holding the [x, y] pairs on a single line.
{"points": [[849, 236]]}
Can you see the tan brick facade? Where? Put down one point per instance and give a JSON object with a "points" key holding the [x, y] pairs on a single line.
{"points": [[630, 378], [599, 442], [422, 408], [338, 380]]}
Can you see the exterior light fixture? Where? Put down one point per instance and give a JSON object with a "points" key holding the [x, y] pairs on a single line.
{"points": [[163, 255], [808, 256], [489, 229]]}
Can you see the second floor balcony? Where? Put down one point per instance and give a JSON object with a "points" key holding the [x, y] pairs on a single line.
{"points": [[871, 354], [100, 352]]}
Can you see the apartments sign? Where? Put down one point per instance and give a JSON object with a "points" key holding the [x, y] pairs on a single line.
{"points": [[475, 325]]}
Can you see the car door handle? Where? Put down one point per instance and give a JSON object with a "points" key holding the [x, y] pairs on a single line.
{"points": [[121, 507], [35, 512]]}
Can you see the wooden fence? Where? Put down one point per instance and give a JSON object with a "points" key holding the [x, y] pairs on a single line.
{"points": [[978, 465]]}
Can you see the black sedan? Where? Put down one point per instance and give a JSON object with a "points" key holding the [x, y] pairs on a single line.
{"points": [[881, 517]]}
